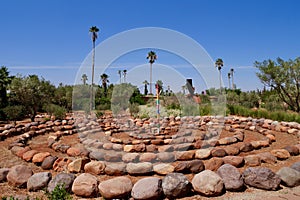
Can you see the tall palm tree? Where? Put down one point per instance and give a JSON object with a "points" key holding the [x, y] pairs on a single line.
{"points": [[120, 75], [94, 31], [104, 79], [219, 64], [151, 57], [84, 78], [229, 76], [231, 72], [124, 75], [146, 83]]}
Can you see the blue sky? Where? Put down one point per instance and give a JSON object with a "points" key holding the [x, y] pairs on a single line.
{"points": [[51, 39]]}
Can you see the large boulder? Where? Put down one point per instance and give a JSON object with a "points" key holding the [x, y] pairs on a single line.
{"points": [[262, 178], [208, 183], [85, 185], [116, 188], [175, 185], [143, 168], [18, 175], [289, 176], [38, 181], [231, 177], [65, 179], [147, 188]]}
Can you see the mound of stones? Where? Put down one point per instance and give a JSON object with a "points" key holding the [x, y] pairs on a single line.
{"points": [[173, 185], [180, 146]]}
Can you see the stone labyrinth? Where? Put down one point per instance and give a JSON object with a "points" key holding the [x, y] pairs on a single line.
{"points": [[144, 159]]}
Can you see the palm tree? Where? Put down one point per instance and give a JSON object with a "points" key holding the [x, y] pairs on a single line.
{"points": [[145, 87], [124, 75], [104, 79], [219, 64], [151, 57], [232, 71], [94, 31], [84, 78], [229, 76], [120, 74]]}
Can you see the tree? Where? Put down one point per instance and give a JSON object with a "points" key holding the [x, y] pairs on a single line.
{"points": [[229, 76], [145, 87], [124, 75], [104, 79], [5, 80], [219, 64], [84, 78], [232, 82], [284, 78], [94, 31], [120, 75], [151, 57], [32, 93]]}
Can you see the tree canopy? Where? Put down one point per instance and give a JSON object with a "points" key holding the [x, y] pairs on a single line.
{"points": [[284, 78]]}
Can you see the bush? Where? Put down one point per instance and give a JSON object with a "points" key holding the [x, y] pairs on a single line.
{"points": [[59, 193], [58, 111], [134, 108], [13, 113]]}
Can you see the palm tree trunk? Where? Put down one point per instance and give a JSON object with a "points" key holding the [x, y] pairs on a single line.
{"points": [[220, 80], [93, 71], [150, 78], [229, 83], [232, 81]]}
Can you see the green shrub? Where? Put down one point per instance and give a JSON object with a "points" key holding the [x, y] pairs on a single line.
{"points": [[58, 111], [59, 193], [14, 113], [134, 108]]}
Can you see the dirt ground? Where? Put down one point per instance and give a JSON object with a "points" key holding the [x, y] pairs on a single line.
{"points": [[7, 159]]}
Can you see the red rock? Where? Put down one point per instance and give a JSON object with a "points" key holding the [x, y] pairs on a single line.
{"points": [[236, 161], [231, 150], [281, 154], [21, 152], [61, 164], [40, 157], [213, 163], [29, 155], [185, 155]]}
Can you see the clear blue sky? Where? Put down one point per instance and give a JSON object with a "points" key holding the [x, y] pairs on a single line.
{"points": [[50, 38]]}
